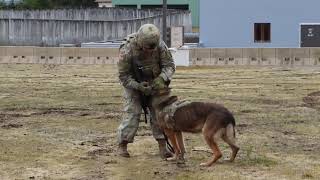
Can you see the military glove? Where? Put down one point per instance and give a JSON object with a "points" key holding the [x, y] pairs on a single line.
{"points": [[158, 83], [145, 88]]}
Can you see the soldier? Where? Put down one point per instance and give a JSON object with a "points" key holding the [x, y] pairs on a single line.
{"points": [[145, 65]]}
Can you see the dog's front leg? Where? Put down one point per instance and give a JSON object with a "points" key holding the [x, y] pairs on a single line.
{"points": [[180, 142], [182, 149], [173, 140]]}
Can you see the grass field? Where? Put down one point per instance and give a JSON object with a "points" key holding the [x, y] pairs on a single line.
{"points": [[60, 122]]}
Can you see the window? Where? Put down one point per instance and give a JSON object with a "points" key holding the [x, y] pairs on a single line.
{"points": [[262, 32]]}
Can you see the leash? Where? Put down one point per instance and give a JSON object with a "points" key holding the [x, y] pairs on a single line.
{"points": [[168, 143]]}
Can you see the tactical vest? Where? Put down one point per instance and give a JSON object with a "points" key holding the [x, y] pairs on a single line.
{"points": [[171, 109], [145, 68]]}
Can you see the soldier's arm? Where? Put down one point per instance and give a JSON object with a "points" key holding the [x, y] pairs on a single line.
{"points": [[125, 70], [166, 62]]}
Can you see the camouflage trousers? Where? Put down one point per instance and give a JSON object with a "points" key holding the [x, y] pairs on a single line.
{"points": [[130, 122]]}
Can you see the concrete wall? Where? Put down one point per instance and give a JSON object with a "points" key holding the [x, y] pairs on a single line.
{"points": [[230, 23], [51, 28], [256, 56], [57, 55], [290, 57]]}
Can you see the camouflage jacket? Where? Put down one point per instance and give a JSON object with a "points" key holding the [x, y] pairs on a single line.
{"points": [[159, 63]]}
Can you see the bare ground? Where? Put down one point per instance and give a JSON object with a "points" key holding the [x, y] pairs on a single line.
{"points": [[60, 122]]}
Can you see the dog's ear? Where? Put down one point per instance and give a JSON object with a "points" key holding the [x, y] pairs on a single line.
{"points": [[167, 102]]}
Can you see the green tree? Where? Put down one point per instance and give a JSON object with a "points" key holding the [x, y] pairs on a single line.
{"points": [[2, 5], [35, 4]]}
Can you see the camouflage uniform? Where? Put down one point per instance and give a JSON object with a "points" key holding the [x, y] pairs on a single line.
{"points": [[158, 63]]}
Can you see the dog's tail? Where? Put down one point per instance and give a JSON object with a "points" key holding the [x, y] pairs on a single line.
{"points": [[234, 132]]}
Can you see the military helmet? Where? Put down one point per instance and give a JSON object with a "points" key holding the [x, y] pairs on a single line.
{"points": [[148, 36]]}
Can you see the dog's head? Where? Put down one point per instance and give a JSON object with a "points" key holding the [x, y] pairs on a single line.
{"points": [[167, 101], [165, 121], [162, 98], [163, 117]]}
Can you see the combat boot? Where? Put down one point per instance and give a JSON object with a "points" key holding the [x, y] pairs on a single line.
{"points": [[122, 150], [164, 152]]}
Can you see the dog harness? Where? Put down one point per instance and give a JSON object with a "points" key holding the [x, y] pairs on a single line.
{"points": [[170, 109]]}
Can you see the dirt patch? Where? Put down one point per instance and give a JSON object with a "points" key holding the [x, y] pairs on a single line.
{"points": [[248, 111], [100, 152], [317, 93], [10, 126], [313, 100], [8, 116], [62, 124], [265, 100], [14, 113], [62, 111], [99, 142], [110, 115]]}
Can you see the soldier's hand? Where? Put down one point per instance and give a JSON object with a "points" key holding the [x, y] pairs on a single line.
{"points": [[145, 88], [158, 83]]}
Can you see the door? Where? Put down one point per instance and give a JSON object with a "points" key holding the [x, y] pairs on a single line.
{"points": [[310, 35]]}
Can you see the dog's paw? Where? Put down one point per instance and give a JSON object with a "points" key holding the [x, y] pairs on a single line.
{"points": [[172, 158], [181, 162], [181, 165], [204, 164], [180, 159]]}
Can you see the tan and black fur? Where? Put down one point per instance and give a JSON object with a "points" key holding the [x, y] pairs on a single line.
{"points": [[213, 120]]}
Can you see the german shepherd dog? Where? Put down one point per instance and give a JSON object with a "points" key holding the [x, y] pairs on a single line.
{"points": [[213, 120]]}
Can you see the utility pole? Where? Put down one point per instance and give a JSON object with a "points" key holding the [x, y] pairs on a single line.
{"points": [[164, 20]]}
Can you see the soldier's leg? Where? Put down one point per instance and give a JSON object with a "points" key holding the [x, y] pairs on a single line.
{"points": [[130, 122]]}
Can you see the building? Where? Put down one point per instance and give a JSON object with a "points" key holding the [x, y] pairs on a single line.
{"points": [[263, 23], [104, 3], [192, 5]]}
